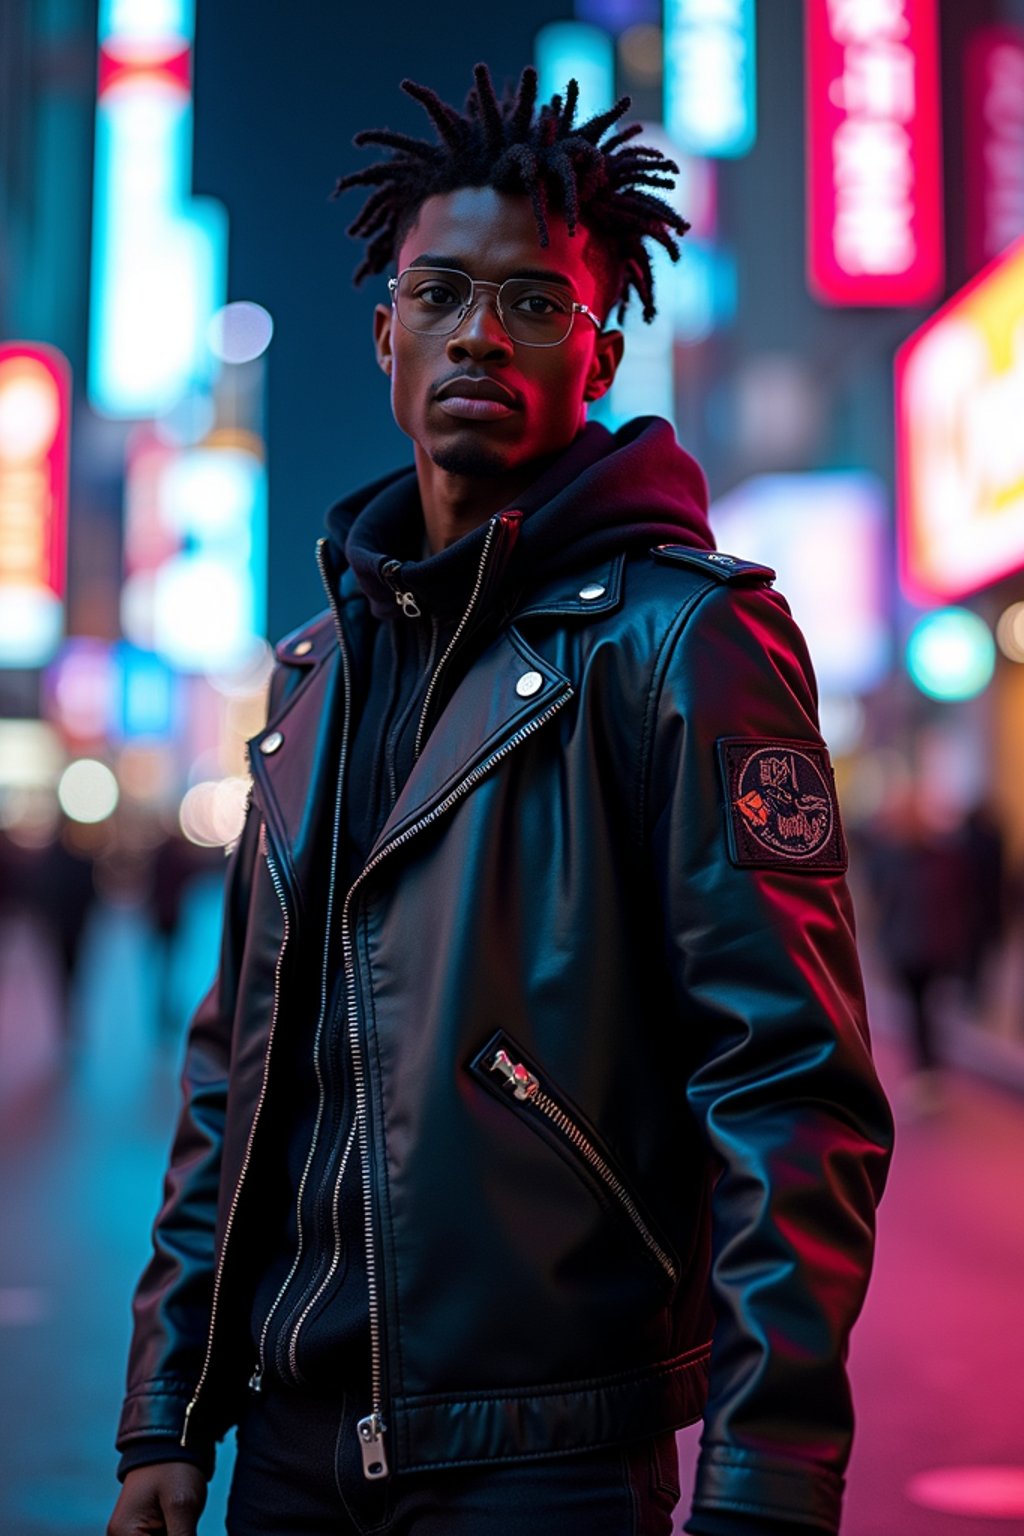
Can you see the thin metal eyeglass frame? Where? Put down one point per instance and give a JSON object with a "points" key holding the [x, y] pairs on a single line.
{"points": [[467, 310]]}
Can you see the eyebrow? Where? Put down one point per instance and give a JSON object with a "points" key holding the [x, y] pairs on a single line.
{"points": [[538, 274]]}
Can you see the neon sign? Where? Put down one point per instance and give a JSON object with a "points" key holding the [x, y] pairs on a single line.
{"points": [[35, 395], [994, 142], [159, 255], [709, 76], [874, 153], [960, 447]]}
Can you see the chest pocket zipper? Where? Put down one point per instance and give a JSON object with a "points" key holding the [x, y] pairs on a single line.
{"points": [[522, 1086]]}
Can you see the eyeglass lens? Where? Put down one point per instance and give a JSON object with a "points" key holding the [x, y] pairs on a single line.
{"points": [[433, 301]]}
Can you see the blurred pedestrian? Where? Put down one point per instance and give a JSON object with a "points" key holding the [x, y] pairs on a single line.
{"points": [[985, 901], [918, 875]]}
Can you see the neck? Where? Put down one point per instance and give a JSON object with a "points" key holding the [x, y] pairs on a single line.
{"points": [[453, 505]]}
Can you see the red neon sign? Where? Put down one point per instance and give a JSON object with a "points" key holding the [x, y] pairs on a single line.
{"points": [[994, 142], [35, 389], [874, 152]]}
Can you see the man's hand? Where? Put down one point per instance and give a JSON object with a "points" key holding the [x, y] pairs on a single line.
{"points": [[162, 1500]]}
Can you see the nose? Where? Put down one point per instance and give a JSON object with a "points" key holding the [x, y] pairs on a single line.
{"points": [[480, 332]]}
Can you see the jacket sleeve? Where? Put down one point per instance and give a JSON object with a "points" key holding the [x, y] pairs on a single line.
{"points": [[172, 1302], [767, 983]]}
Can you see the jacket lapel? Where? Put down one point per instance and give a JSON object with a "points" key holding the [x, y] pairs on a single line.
{"points": [[294, 764], [507, 694]]}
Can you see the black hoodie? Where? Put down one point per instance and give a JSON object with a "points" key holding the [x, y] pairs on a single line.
{"points": [[604, 494]]}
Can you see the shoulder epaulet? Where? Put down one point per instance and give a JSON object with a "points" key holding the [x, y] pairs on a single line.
{"points": [[727, 568], [309, 642]]}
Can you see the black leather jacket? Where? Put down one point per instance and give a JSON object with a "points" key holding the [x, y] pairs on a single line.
{"points": [[600, 1051]]}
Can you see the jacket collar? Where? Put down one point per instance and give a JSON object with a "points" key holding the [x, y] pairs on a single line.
{"points": [[582, 593]]}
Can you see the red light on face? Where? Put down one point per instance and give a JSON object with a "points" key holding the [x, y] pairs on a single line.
{"points": [[874, 152]]}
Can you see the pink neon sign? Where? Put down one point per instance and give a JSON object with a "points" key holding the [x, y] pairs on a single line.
{"points": [[874, 152], [994, 141]]}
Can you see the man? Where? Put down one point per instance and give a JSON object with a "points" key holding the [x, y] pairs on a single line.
{"points": [[534, 1089]]}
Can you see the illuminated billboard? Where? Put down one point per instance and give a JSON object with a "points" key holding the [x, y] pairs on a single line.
{"points": [[874, 152], [35, 404], [710, 76], [825, 534], [960, 438], [159, 256]]}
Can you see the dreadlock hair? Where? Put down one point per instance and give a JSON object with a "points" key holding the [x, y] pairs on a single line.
{"points": [[508, 145]]}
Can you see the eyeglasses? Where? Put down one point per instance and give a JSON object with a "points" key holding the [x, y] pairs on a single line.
{"points": [[434, 301]]}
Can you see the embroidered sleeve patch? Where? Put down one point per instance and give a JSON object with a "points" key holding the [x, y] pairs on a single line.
{"points": [[782, 811]]}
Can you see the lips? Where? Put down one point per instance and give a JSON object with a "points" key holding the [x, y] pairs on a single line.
{"points": [[469, 399], [465, 387]]}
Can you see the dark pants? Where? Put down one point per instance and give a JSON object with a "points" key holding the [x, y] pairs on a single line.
{"points": [[299, 1473]]}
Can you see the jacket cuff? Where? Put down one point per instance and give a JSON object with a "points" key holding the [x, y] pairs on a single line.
{"points": [[721, 1524], [732, 1481], [149, 1452], [154, 1411]]}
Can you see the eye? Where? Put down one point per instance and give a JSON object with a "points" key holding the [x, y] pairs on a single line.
{"points": [[540, 303], [437, 295]]}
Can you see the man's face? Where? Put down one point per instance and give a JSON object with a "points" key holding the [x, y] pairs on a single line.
{"points": [[492, 236]]}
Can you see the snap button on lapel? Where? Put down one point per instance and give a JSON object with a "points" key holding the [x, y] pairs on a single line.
{"points": [[271, 743], [303, 648], [591, 594], [528, 684]]}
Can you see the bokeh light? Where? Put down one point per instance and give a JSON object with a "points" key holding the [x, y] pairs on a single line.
{"points": [[213, 811], [87, 791], [240, 332], [951, 654], [1010, 632]]}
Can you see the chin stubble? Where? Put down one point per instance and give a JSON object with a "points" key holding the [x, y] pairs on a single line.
{"points": [[470, 459]]}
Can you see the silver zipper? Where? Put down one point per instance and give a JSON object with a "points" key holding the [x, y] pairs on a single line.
{"points": [[293, 1359], [321, 1087], [525, 1086], [372, 1429], [453, 642], [219, 1274], [405, 600]]}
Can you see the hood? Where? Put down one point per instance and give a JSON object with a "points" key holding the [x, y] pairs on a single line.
{"points": [[606, 493]]}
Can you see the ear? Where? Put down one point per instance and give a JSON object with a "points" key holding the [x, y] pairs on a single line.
{"points": [[608, 349], [382, 318]]}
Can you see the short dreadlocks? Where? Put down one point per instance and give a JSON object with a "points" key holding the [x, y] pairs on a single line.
{"points": [[507, 145]]}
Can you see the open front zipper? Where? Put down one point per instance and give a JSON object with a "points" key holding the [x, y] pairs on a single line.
{"points": [[324, 977], [278, 885], [525, 1086], [372, 1429]]}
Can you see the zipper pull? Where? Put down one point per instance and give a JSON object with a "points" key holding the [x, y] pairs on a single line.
{"points": [[371, 1432], [405, 600], [514, 1075], [256, 1380]]}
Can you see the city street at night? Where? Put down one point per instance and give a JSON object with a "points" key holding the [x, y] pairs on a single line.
{"points": [[511, 763]]}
